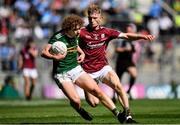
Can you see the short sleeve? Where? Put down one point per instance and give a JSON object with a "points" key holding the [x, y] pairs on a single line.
{"points": [[52, 40], [113, 33]]}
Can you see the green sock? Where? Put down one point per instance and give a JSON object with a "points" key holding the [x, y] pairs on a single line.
{"points": [[115, 111], [127, 111]]}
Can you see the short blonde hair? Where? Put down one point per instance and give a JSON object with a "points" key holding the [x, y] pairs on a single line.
{"points": [[93, 8]]}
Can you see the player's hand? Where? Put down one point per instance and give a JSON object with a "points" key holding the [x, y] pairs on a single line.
{"points": [[149, 37], [33, 52], [59, 56], [81, 58]]}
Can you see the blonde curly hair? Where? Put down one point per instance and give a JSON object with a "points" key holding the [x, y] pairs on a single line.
{"points": [[71, 22]]}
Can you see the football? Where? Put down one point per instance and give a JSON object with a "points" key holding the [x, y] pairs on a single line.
{"points": [[59, 47]]}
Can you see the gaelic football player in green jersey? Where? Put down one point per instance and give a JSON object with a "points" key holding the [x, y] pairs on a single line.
{"points": [[67, 71]]}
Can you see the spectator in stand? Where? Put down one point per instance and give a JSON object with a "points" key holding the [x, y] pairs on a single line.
{"points": [[9, 90], [165, 24], [22, 29], [27, 63], [12, 57], [3, 31], [155, 9], [4, 56]]}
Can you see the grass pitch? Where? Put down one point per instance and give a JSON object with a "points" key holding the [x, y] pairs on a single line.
{"points": [[59, 112]]}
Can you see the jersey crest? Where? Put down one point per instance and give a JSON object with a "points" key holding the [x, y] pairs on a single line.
{"points": [[59, 35]]}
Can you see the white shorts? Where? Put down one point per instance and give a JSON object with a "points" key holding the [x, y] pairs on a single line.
{"points": [[70, 76], [99, 75], [32, 73]]}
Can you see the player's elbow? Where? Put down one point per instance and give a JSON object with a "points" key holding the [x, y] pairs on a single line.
{"points": [[42, 53]]}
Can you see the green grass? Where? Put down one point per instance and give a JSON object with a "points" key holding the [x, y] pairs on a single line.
{"points": [[59, 111]]}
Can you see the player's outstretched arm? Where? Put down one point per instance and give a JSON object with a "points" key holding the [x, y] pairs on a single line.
{"points": [[135, 36]]}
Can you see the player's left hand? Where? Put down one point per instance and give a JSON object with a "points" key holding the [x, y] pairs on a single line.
{"points": [[81, 58]]}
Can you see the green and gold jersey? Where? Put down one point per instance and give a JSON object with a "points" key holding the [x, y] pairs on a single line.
{"points": [[70, 61]]}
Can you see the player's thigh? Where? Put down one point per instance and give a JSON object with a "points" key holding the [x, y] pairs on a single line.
{"points": [[27, 80], [120, 72], [87, 83], [70, 91], [26, 76], [91, 89], [132, 71], [111, 79]]}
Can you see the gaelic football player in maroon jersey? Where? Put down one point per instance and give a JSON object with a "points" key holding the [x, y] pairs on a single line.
{"points": [[93, 41], [27, 63]]}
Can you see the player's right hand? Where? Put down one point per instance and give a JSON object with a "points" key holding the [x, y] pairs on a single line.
{"points": [[59, 56]]}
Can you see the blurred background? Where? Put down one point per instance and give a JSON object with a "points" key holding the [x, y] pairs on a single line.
{"points": [[158, 63]]}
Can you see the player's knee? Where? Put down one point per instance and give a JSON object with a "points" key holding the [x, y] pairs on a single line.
{"points": [[97, 93], [134, 77]]}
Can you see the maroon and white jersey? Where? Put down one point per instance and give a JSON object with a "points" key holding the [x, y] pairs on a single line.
{"points": [[94, 44], [28, 59]]}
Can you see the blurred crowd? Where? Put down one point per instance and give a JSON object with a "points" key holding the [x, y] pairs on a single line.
{"points": [[21, 19]]}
